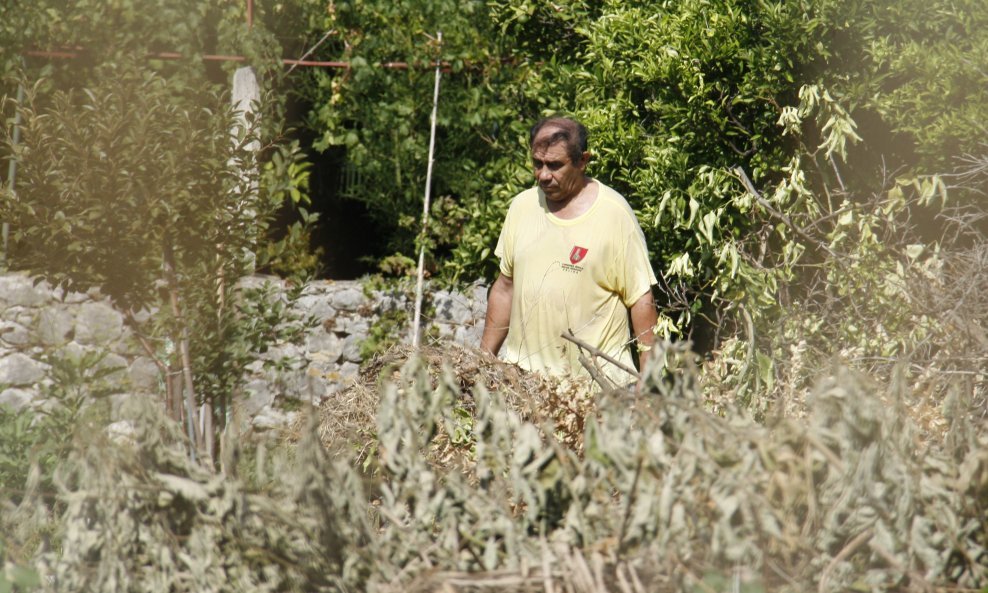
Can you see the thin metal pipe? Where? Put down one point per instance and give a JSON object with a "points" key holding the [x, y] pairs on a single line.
{"points": [[168, 55], [416, 324]]}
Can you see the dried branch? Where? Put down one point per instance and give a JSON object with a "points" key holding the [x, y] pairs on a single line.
{"points": [[597, 352]]}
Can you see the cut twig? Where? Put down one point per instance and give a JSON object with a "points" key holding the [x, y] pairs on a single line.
{"points": [[914, 576], [852, 546], [597, 352], [595, 374], [311, 49]]}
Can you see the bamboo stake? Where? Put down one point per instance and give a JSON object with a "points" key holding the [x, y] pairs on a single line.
{"points": [[12, 175], [416, 324]]}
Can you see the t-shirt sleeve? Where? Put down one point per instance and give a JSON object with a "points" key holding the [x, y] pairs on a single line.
{"points": [[505, 250], [637, 276]]}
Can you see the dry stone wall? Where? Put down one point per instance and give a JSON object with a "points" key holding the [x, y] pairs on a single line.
{"points": [[40, 323]]}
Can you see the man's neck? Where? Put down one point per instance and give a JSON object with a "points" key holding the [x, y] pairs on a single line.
{"points": [[577, 204]]}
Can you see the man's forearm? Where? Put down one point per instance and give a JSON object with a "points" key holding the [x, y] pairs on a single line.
{"points": [[498, 315], [643, 320]]}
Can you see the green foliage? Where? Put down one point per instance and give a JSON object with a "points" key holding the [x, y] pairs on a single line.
{"points": [[922, 70], [115, 176], [138, 189], [391, 326], [229, 338], [286, 177], [18, 578], [811, 99], [36, 440], [380, 115]]}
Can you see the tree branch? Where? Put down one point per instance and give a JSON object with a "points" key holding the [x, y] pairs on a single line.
{"points": [[748, 185]]}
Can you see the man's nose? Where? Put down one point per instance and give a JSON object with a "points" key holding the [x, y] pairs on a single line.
{"points": [[542, 174]]}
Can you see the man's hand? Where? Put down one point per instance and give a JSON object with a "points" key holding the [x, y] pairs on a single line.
{"points": [[498, 315]]}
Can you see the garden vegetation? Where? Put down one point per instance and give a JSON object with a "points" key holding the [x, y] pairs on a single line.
{"points": [[810, 176]]}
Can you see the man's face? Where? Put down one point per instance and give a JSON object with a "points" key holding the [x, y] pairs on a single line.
{"points": [[559, 177]]}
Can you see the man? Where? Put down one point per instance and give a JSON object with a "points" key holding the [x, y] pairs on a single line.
{"points": [[573, 258]]}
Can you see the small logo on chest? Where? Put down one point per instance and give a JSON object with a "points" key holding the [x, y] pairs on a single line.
{"points": [[577, 255]]}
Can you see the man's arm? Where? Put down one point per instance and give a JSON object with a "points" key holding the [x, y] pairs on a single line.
{"points": [[498, 315], [643, 320]]}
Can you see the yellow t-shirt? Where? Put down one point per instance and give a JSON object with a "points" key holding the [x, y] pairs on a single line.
{"points": [[580, 274]]}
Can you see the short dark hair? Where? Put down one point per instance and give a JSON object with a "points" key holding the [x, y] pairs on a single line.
{"points": [[570, 132]]}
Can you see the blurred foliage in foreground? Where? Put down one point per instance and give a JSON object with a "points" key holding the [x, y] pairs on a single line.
{"points": [[473, 490]]}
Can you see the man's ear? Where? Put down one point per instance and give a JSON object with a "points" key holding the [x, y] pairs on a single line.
{"points": [[584, 159]]}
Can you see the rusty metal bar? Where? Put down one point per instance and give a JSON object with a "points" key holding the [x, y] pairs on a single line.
{"points": [[167, 55]]}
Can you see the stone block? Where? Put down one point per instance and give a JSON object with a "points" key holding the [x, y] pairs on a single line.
{"points": [[316, 305], [348, 298], [478, 292], [54, 325], [291, 384], [338, 324], [349, 370], [288, 355], [97, 323], [318, 386], [271, 418], [387, 302], [356, 325], [16, 398], [327, 345], [351, 348], [18, 370], [73, 351], [260, 280], [258, 395], [114, 363], [452, 308], [18, 290], [14, 334], [144, 375], [122, 432], [15, 312], [74, 298], [468, 335]]}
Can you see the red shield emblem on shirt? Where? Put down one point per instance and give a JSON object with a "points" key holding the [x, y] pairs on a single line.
{"points": [[577, 255]]}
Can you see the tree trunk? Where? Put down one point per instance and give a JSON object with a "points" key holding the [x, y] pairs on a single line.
{"points": [[192, 416]]}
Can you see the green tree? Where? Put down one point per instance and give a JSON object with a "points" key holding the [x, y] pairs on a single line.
{"points": [[378, 116], [128, 178], [123, 187]]}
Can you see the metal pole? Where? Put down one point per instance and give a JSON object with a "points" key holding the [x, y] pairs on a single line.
{"points": [[170, 55], [12, 174], [425, 204]]}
